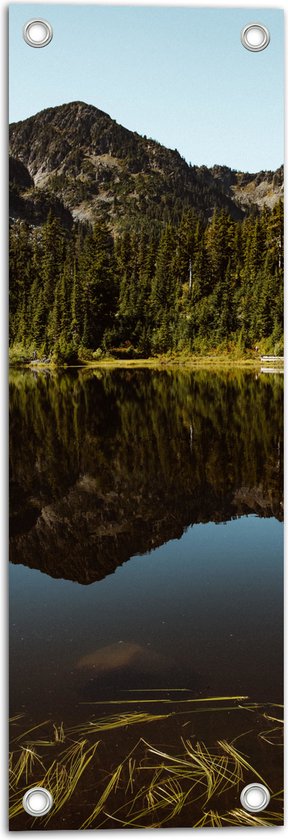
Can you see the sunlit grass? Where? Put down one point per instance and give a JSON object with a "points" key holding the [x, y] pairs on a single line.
{"points": [[63, 777], [32, 729], [241, 817], [112, 784], [114, 722], [59, 735], [272, 736], [240, 760], [178, 780], [160, 700], [21, 764], [150, 785]]}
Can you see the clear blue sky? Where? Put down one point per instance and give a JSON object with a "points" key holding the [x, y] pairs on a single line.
{"points": [[179, 75]]}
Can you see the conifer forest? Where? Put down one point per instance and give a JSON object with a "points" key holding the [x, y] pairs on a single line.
{"points": [[186, 286]]}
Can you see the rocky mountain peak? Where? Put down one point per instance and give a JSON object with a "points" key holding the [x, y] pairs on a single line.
{"points": [[97, 168]]}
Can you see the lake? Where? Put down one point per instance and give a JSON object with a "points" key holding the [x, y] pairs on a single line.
{"points": [[146, 579]]}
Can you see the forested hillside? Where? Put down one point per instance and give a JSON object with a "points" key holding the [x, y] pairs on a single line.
{"points": [[193, 285], [118, 246]]}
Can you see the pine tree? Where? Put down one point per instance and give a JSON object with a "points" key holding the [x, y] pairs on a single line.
{"points": [[159, 288], [98, 281]]}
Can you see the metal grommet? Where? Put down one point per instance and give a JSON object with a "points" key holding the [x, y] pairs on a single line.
{"points": [[37, 33], [255, 797], [37, 801], [255, 37]]}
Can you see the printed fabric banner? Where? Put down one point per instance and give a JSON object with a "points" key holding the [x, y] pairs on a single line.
{"points": [[146, 417]]}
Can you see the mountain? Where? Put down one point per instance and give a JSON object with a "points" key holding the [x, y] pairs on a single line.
{"points": [[79, 162], [136, 458], [248, 190], [30, 204]]}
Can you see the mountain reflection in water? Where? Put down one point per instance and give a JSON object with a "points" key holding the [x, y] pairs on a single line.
{"points": [[106, 465], [180, 475]]}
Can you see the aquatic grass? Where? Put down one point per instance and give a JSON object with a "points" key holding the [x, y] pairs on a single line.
{"points": [[168, 796], [150, 690], [151, 785], [275, 736], [24, 765], [59, 733], [278, 796], [215, 771], [45, 742], [16, 807], [112, 784], [32, 729], [238, 817], [241, 817], [206, 772], [213, 709], [270, 717], [241, 760], [114, 722], [63, 777], [210, 818], [130, 783], [160, 700]]}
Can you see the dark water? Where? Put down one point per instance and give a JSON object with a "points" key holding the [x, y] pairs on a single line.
{"points": [[208, 605], [146, 535]]}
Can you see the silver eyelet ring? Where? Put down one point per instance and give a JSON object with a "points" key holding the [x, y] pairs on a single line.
{"points": [[37, 33], [37, 801], [255, 797], [255, 37]]}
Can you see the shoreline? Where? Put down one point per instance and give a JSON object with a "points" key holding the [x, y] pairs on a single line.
{"points": [[159, 363]]}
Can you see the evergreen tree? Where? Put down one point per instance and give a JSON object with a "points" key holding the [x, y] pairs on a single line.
{"points": [[182, 285]]}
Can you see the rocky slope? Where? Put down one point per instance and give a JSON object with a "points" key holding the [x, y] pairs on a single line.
{"points": [[251, 190], [30, 204], [78, 156]]}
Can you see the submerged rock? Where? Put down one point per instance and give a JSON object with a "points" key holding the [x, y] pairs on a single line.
{"points": [[120, 655]]}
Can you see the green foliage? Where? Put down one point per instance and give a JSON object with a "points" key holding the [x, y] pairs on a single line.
{"points": [[98, 354], [65, 353], [184, 287]]}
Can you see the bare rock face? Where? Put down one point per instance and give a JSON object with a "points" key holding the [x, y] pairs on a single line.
{"points": [[77, 155], [263, 189], [30, 204]]}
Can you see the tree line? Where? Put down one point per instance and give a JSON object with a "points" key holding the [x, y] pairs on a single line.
{"points": [[192, 286]]}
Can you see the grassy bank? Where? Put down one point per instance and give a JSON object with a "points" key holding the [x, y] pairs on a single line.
{"points": [[176, 361], [189, 361], [224, 355]]}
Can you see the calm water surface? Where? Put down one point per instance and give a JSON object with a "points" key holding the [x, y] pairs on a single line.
{"points": [[209, 606], [146, 538]]}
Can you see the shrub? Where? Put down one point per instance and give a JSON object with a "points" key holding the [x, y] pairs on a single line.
{"points": [[65, 353]]}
